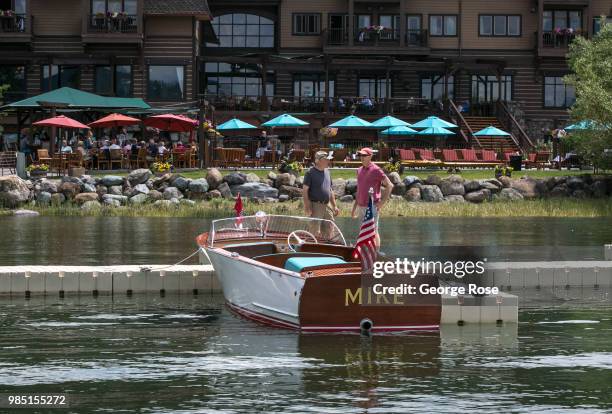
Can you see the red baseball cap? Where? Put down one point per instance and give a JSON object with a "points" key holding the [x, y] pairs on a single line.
{"points": [[365, 151]]}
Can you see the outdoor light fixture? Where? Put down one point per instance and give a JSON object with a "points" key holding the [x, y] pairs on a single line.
{"points": [[162, 273], [194, 273], [61, 274], [128, 274], [28, 274]]}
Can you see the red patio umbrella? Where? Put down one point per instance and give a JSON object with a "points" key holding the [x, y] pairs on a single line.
{"points": [[171, 122], [114, 120], [61, 121]]}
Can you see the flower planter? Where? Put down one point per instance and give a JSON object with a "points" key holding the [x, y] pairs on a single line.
{"points": [[38, 174]]}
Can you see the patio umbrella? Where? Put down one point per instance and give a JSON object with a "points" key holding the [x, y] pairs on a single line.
{"points": [[235, 124], [61, 121], [285, 121], [114, 120], [433, 122], [435, 131], [171, 122], [351, 121], [491, 131], [579, 126], [389, 122], [399, 130]]}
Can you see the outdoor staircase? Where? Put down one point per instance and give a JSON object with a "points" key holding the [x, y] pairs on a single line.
{"points": [[497, 144]]}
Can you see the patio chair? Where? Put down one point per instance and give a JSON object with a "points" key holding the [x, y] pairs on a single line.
{"points": [[141, 159], [219, 160], [43, 156], [406, 154], [449, 155], [116, 157], [426, 155], [58, 163], [103, 159], [179, 158], [269, 159], [469, 155], [488, 156], [192, 157]]}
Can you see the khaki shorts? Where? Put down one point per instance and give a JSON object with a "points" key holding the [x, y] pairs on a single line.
{"points": [[361, 212], [321, 211]]}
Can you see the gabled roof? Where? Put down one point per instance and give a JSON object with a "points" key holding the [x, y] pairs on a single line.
{"points": [[198, 8], [74, 98]]}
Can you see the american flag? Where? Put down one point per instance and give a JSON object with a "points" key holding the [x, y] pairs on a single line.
{"points": [[365, 249], [238, 208]]}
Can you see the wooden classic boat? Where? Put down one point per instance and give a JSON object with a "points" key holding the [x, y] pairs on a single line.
{"points": [[299, 273]]}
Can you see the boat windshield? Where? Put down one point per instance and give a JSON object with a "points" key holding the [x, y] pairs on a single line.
{"points": [[271, 226]]}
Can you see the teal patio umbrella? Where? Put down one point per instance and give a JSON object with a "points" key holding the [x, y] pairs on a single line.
{"points": [[285, 121], [389, 122], [399, 130], [433, 122], [351, 121], [234, 124], [491, 131], [579, 126], [435, 131]]}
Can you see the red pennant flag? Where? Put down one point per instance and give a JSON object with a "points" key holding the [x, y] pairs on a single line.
{"points": [[238, 209]]}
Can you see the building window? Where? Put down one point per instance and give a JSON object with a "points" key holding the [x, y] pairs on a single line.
{"points": [[485, 88], [597, 24], [238, 80], [311, 85], [241, 30], [13, 77], [59, 76], [443, 25], [491, 25], [306, 24], [118, 85], [557, 94], [561, 19], [432, 87], [374, 87], [114, 6], [166, 83], [391, 23]]}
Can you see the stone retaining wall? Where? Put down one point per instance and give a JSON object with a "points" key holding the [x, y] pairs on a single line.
{"points": [[141, 186]]}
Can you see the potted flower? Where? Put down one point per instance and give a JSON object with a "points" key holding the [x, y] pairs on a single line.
{"points": [[160, 168], [293, 167], [38, 170], [393, 166], [503, 170]]}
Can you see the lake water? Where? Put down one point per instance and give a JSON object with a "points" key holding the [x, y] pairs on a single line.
{"points": [[125, 240], [186, 354]]}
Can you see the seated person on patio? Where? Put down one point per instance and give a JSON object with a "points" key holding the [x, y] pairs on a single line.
{"points": [[66, 149], [260, 151], [464, 107], [340, 104], [161, 148], [127, 147], [151, 150], [367, 103], [179, 147], [114, 145], [83, 151]]}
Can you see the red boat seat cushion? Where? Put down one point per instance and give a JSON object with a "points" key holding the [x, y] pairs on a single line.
{"points": [[296, 264]]}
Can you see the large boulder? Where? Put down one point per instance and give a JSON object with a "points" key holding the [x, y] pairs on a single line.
{"points": [[50, 186], [74, 180], [347, 198], [212, 194], [478, 196], [140, 189], [339, 187], [13, 191], [299, 181], [433, 180], [579, 194], [26, 213], [399, 189], [198, 186], [471, 185], [91, 205], [43, 198], [121, 199], [509, 194], [57, 199], [166, 203], [101, 190], [111, 180], [292, 192], [490, 186], [155, 195], [84, 197], [88, 179], [454, 199], [575, 183], [285, 179], [413, 194], [410, 180], [528, 187], [225, 191], [214, 178], [431, 193], [172, 192], [552, 182], [272, 176], [88, 188], [561, 190], [180, 182], [139, 199], [69, 189], [235, 178], [451, 186], [139, 176], [351, 186], [598, 189], [255, 190], [252, 178], [111, 202], [395, 178], [506, 182], [115, 190]]}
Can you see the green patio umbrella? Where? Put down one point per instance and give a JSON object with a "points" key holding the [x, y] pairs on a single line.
{"points": [[233, 124], [389, 122], [351, 121], [491, 131], [579, 126], [433, 122], [285, 121], [435, 131], [399, 130]]}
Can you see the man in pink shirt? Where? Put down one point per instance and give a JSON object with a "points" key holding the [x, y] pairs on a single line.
{"points": [[369, 175]]}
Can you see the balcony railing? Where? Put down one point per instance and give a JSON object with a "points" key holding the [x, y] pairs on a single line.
{"points": [[15, 23], [558, 39], [111, 23], [339, 105], [386, 37]]}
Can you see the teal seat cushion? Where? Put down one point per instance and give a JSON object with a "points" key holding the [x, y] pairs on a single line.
{"points": [[296, 264]]}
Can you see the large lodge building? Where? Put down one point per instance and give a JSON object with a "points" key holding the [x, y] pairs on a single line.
{"points": [[476, 62]]}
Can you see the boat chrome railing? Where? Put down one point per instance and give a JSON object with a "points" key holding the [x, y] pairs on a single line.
{"points": [[263, 225]]}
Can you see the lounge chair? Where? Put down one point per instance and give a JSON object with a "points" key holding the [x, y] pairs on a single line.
{"points": [[406, 154], [489, 156], [449, 156], [469, 155], [426, 155]]}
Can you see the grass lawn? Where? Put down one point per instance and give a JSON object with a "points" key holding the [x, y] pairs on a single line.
{"points": [[470, 174]]}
